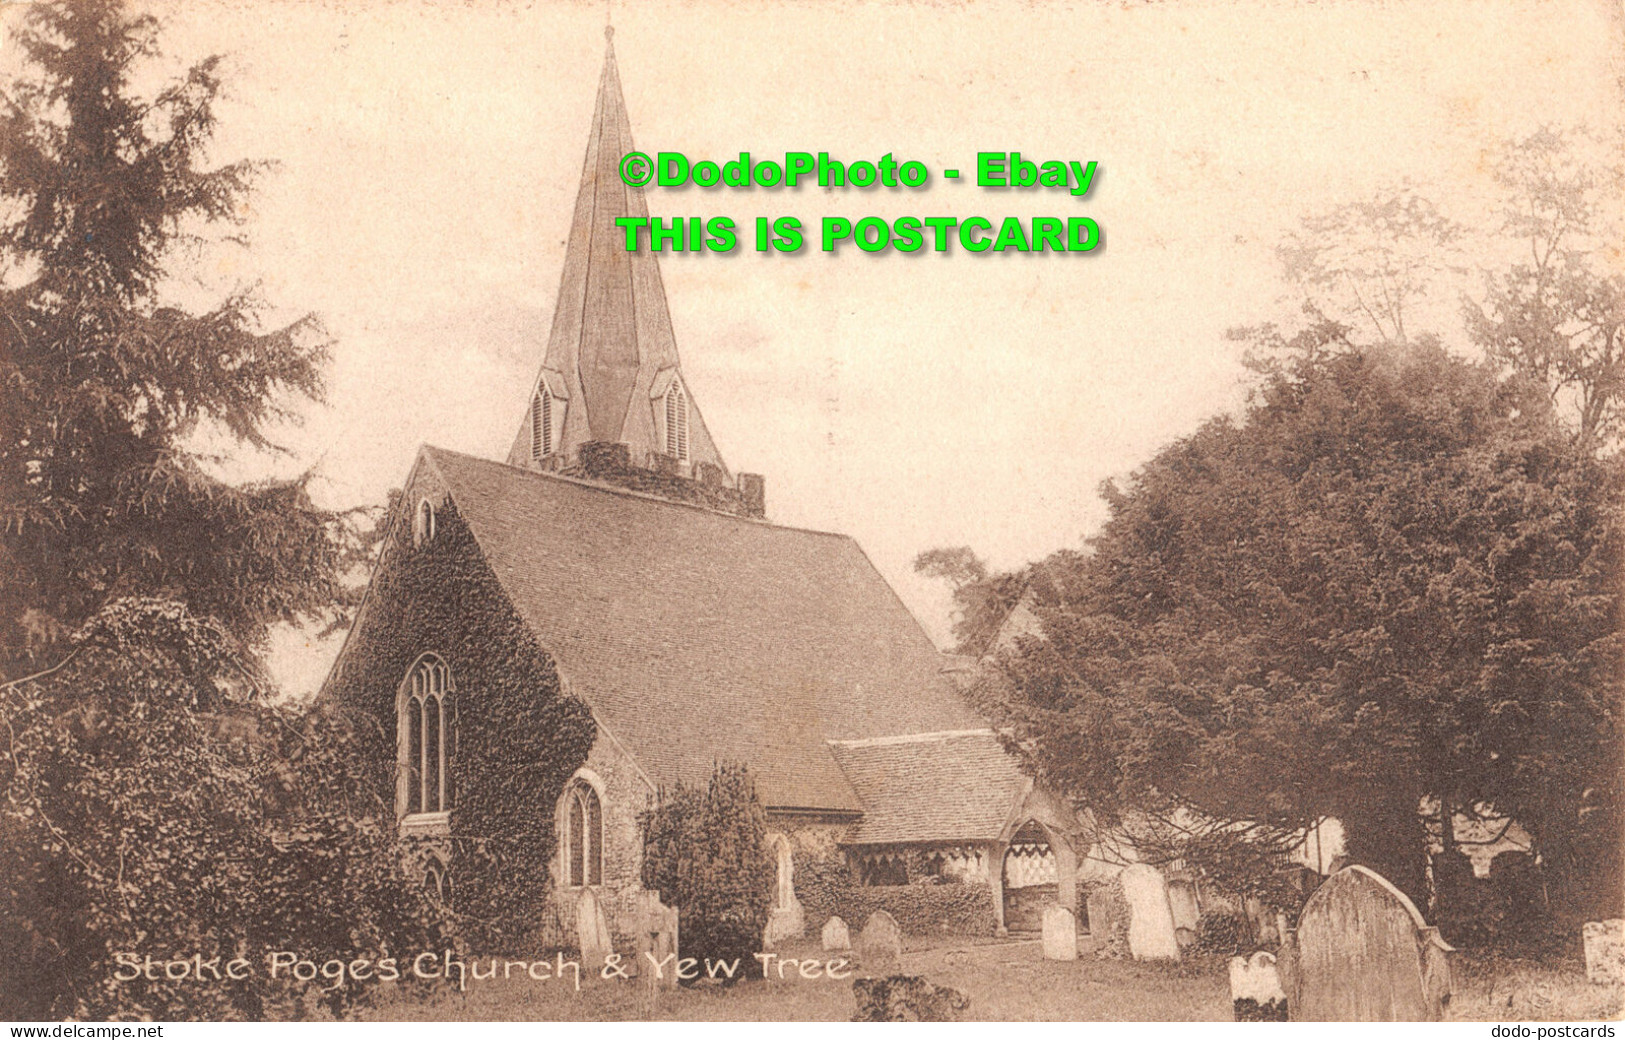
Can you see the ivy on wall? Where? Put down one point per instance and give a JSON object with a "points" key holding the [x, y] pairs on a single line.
{"points": [[515, 736]]}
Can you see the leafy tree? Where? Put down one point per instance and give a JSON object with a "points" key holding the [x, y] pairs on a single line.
{"points": [[1370, 263], [1383, 583], [706, 854], [1556, 317], [983, 599], [109, 385], [156, 806]]}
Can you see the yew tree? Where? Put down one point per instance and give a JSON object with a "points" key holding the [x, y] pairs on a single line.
{"points": [[112, 386], [1383, 585], [154, 798]]}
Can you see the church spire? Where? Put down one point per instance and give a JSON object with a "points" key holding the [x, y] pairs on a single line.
{"points": [[611, 371]]}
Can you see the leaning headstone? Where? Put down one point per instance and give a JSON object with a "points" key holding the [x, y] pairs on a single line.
{"points": [[592, 933], [1605, 951], [1060, 934], [836, 935], [1150, 918], [657, 939], [880, 945], [1255, 989], [1364, 954]]}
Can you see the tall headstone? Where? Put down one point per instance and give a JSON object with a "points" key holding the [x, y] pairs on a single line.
{"points": [[836, 936], [880, 945], [592, 933], [1364, 954], [1150, 918], [1060, 934], [1182, 903], [656, 931], [1108, 919], [1605, 952]]}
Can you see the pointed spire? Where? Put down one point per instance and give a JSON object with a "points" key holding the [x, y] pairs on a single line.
{"points": [[611, 355]]}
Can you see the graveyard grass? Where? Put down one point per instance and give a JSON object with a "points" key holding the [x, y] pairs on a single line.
{"points": [[1492, 988], [1006, 981]]}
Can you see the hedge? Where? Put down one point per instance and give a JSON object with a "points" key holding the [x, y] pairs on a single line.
{"points": [[826, 889]]}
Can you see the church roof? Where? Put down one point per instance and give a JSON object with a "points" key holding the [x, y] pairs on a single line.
{"points": [[931, 787], [697, 636]]}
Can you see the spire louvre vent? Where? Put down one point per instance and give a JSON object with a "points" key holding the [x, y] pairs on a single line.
{"points": [[677, 422], [541, 425]]}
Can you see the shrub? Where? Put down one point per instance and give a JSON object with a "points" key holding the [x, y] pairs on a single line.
{"points": [[154, 804], [707, 856], [1223, 932], [826, 889], [929, 909]]}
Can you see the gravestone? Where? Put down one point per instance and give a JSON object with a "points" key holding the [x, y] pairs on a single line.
{"points": [[1256, 994], [1364, 954], [1060, 934], [880, 945], [656, 931], [592, 933], [1605, 951], [1182, 903], [1108, 919], [836, 935], [1150, 918]]}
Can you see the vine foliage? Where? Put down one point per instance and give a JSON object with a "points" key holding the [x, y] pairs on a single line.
{"points": [[515, 736]]}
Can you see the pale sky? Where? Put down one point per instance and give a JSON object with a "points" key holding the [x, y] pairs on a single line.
{"points": [[430, 153]]}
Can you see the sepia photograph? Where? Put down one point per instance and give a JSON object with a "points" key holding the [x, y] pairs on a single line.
{"points": [[772, 511]]}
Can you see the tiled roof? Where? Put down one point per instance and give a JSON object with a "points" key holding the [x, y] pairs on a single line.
{"points": [[932, 787], [696, 636]]}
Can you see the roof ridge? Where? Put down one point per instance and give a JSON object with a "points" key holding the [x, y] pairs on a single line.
{"points": [[625, 492]]}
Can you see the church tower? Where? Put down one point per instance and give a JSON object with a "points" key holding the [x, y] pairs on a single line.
{"points": [[610, 395]]}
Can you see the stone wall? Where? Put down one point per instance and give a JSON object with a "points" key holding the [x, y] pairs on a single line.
{"points": [[818, 863], [515, 735], [625, 795]]}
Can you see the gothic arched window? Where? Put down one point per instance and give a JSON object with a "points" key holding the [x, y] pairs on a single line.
{"points": [[424, 737], [583, 836], [677, 422], [541, 425]]}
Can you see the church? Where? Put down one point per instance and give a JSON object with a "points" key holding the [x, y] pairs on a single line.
{"points": [[615, 555]]}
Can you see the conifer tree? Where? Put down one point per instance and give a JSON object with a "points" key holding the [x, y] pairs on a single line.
{"points": [[110, 386]]}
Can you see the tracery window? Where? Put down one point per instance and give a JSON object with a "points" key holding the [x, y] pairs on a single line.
{"points": [[583, 835], [425, 739]]}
